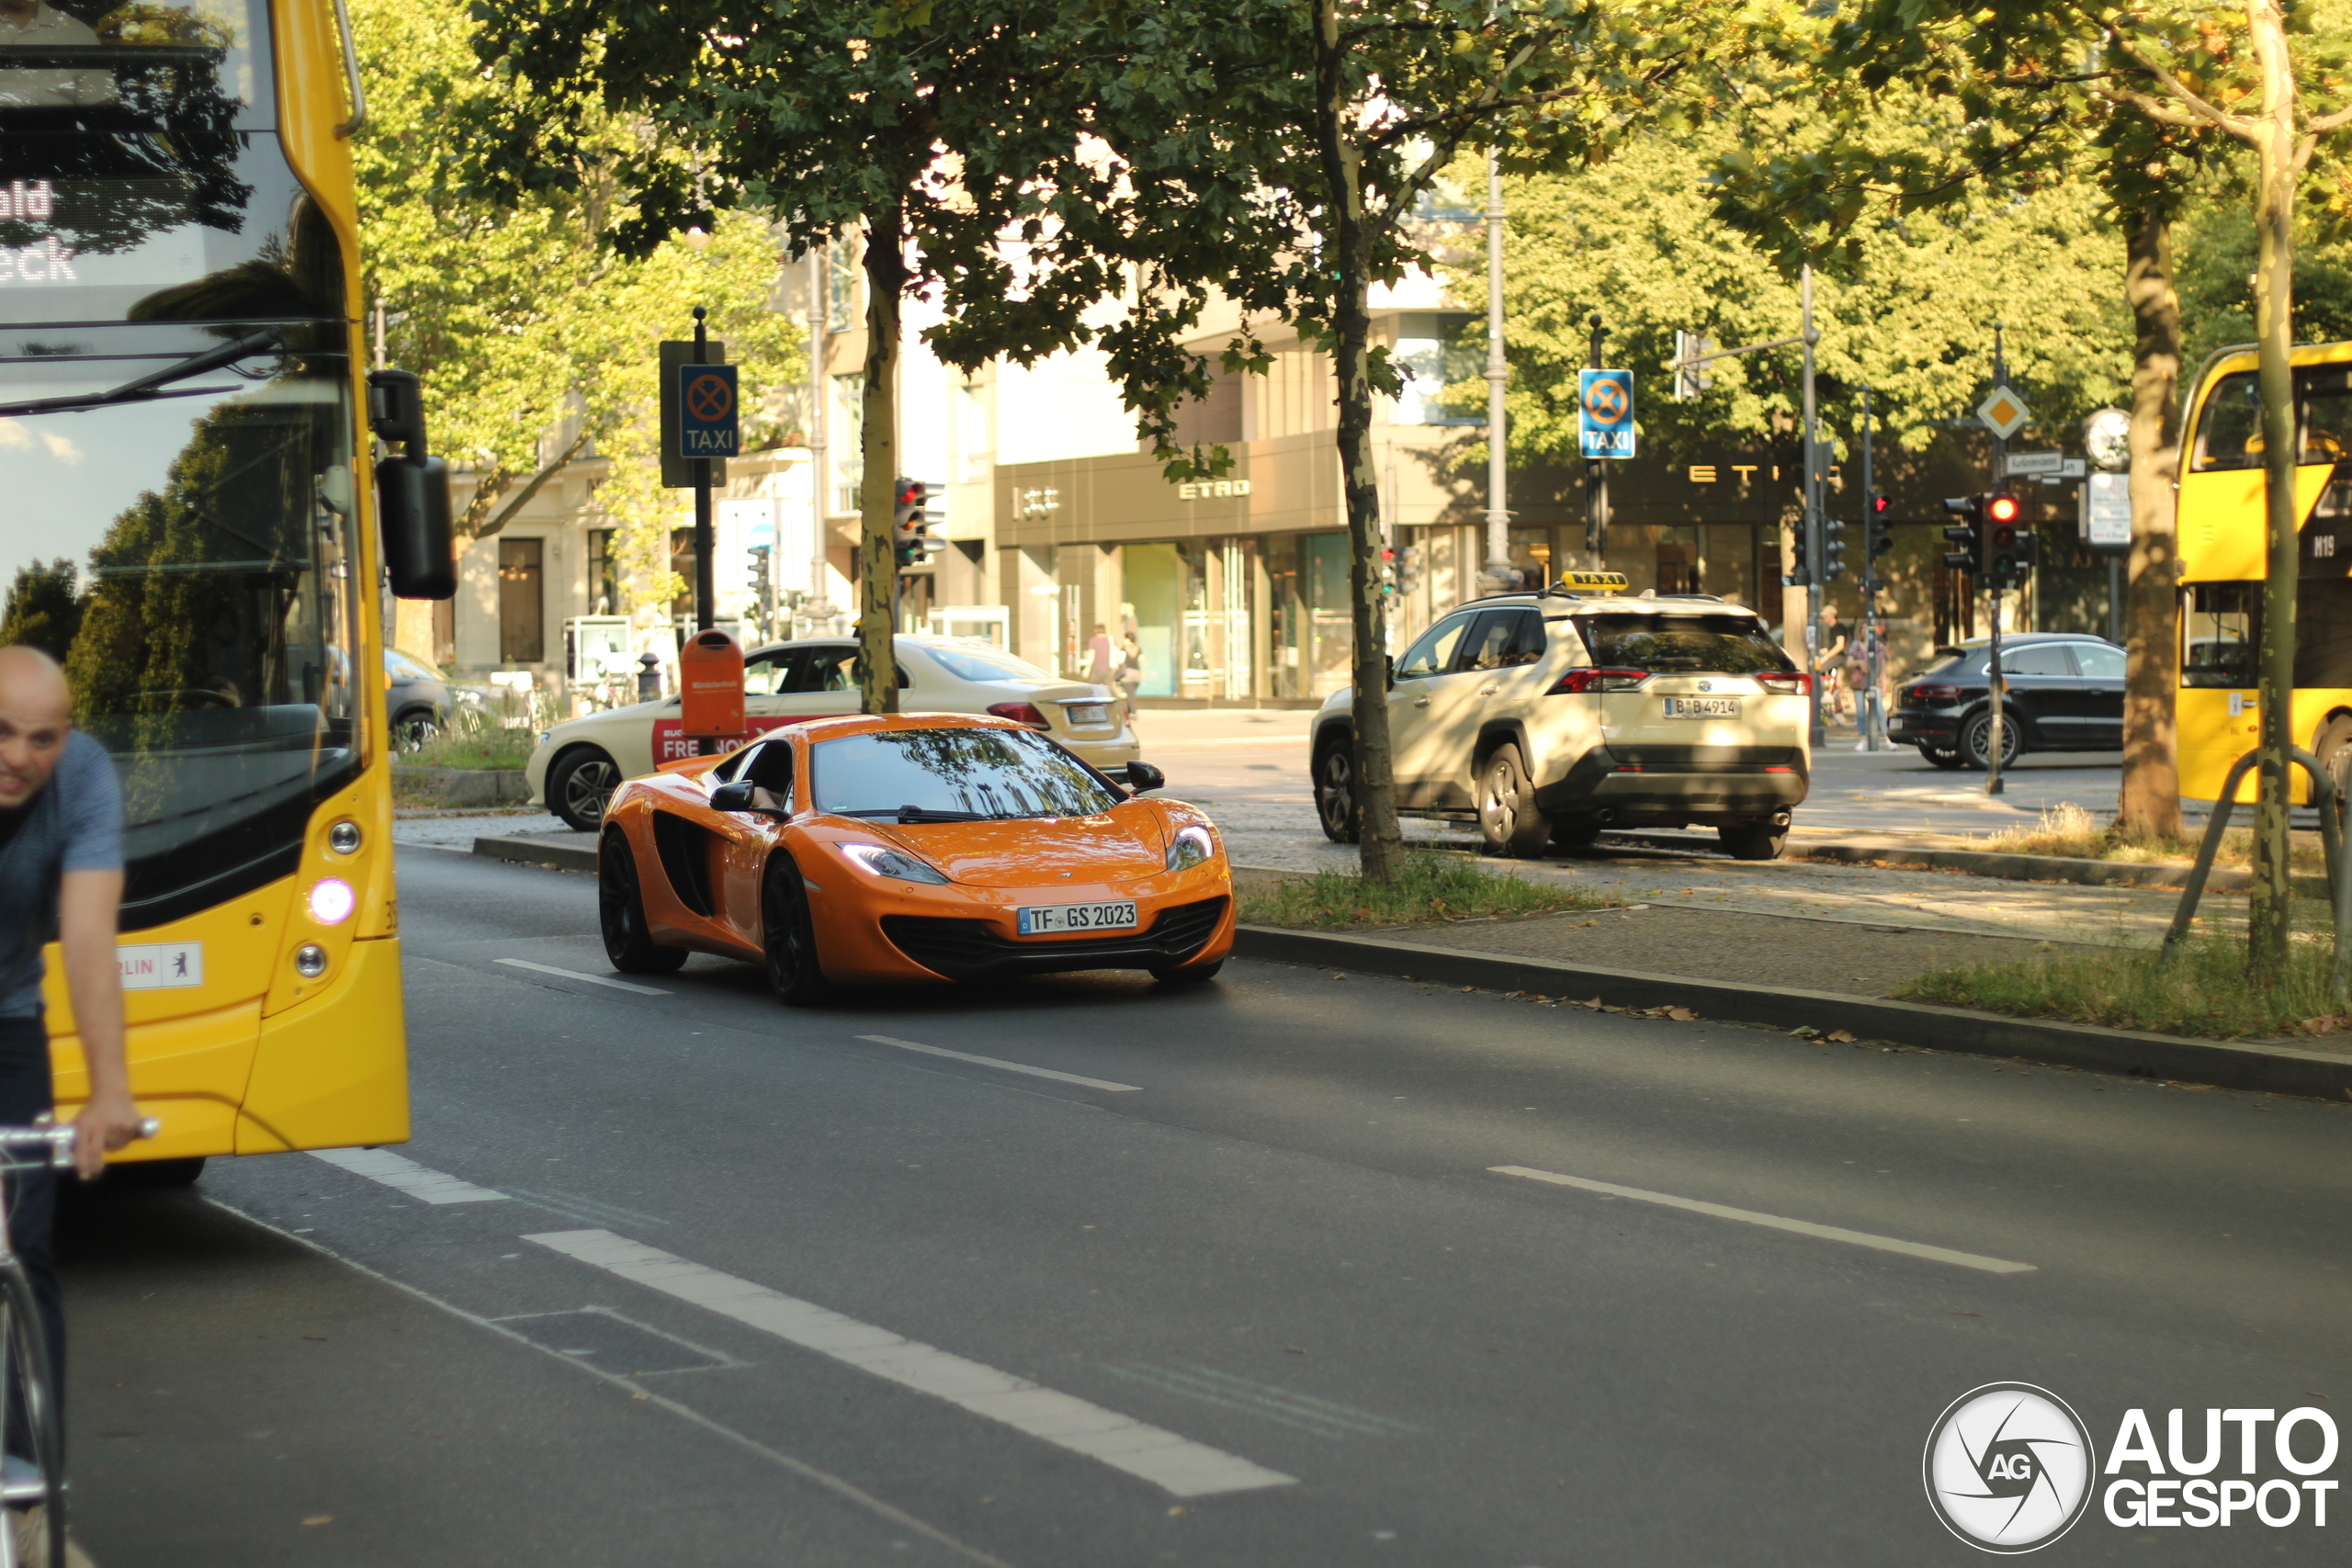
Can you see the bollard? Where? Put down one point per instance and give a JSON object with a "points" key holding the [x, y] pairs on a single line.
{"points": [[648, 677]]}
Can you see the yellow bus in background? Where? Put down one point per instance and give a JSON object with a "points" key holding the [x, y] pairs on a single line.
{"points": [[188, 520], [2223, 556]]}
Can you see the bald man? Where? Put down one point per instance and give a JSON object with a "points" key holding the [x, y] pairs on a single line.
{"points": [[61, 876]]}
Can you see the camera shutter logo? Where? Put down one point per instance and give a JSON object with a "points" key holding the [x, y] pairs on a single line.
{"points": [[2009, 1467]]}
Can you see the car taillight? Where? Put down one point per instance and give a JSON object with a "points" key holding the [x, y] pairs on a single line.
{"points": [[1598, 680], [1934, 696], [1786, 682], [1020, 713]]}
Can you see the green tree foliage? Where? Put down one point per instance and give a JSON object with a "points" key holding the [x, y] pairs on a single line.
{"points": [[1909, 310], [44, 610], [534, 336]]}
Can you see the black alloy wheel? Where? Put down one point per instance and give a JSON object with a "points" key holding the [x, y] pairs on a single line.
{"points": [[1976, 739], [1507, 817], [1941, 757], [788, 936], [413, 730], [1754, 841], [1334, 792], [579, 785], [620, 913]]}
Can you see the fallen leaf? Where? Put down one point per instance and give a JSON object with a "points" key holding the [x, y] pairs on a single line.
{"points": [[1295, 1349], [1839, 1037], [1681, 1015], [1805, 1031], [319, 1520]]}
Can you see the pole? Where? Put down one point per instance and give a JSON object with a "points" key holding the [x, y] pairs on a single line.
{"points": [[1869, 712], [819, 605], [1498, 567], [1596, 484], [1818, 587], [1992, 587], [705, 544]]}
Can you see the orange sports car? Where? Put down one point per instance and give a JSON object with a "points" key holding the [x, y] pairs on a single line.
{"points": [[886, 848]]}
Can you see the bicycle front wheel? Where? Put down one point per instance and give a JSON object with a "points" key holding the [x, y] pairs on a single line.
{"points": [[34, 1472]]}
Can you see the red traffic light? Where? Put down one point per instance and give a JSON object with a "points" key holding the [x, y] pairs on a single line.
{"points": [[1879, 504], [2003, 508]]}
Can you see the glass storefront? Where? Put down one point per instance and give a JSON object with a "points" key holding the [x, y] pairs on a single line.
{"points": [[1306, 577]]}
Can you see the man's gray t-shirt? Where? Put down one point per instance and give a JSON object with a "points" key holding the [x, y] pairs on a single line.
{"points": [[75, 823]]}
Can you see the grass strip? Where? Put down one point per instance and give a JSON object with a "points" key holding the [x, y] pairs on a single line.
{"points": [[2073, 833], [2204, 993], [1427, 889], [488, 746]]}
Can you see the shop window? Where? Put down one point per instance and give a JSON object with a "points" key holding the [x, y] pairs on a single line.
{"points": [[522, 601], [603, 574]]}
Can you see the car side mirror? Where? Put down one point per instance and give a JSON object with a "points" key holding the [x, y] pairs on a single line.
{"points": [[735, 797], [412, 492], [1142, 776]]}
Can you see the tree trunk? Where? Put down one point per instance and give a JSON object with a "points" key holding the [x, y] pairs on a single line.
{"points": [[2269, 907], [1381, 844], [2149, 805], [877, 558]]}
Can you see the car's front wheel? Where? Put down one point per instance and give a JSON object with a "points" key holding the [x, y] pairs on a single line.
{"points": [[1335, 791], [579, 785], [1941, 756], [415, 729], [620, 913], [1507, 817], [1976, 739], [788, 936]]}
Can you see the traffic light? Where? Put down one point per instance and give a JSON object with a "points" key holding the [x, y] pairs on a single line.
{"points": [[1967, 534], [2009, 546], [910, 521], [763, 584], [1408, 569], [1833, 548], [1800, 573], [1877, 538], [1387, 572]]}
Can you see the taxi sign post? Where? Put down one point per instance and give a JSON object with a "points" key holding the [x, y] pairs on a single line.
{"points": [[711, 688], [1605, 412]]}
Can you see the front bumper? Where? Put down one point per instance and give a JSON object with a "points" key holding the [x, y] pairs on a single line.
{"points": [[974, 950]]}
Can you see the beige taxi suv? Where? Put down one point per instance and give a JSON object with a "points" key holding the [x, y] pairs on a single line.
{"points": [[579, 764], [1550, 717]]}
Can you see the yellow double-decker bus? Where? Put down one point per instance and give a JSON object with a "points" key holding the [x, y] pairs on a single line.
{"points": [[2223, 563], [188, 521]]}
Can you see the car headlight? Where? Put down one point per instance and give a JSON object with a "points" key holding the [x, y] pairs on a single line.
{"points": [[1193, 846], [883, 860]]}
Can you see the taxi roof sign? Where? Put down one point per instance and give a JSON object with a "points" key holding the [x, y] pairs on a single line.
{"points": [[1593, 580]]}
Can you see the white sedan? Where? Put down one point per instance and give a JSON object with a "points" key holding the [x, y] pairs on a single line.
{"points": [[579, 761]]}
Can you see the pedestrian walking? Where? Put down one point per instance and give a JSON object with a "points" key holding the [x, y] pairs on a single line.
{"points": [[1128, 678], [1101, 669]]}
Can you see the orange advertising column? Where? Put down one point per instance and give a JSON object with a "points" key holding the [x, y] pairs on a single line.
{"points": [[710, 686]]}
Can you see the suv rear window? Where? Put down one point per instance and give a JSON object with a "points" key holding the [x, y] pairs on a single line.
{"points": [[1719, 645]]}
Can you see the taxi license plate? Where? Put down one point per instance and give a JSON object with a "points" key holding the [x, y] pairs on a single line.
{"points": [[1088, 713], [1041, 919], [1702, 707]]}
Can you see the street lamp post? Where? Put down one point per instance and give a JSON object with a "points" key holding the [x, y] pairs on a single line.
{"points": [[1500, 576]]}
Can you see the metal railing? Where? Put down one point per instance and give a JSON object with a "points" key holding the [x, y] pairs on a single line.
{"points": [[2331, 838]]}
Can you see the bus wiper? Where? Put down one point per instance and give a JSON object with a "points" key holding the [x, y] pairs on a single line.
{"points": [[152, 384]]}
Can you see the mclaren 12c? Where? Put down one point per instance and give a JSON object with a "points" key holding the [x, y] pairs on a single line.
{"points": [[883, 848]]}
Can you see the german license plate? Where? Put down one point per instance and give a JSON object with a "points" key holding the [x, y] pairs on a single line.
{"points": [[1088, 713], [1702, 707], [1044, 919]]}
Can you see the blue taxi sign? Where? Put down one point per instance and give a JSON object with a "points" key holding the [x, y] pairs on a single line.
{"points": [[706, 412], [1605, 412]]}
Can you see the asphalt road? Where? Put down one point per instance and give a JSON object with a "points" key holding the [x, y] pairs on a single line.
{"points": [[1242, 1286]]}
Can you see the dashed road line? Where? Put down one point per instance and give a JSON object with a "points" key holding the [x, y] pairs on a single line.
{"points": [[1175, 1465], [404, 1175], [1004, 1066], [630, 985], [1773, 1222]]}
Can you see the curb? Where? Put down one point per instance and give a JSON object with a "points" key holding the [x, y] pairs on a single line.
{"points": [[2268, 1068], [464, 786], [561, 857], [2009, 867]]}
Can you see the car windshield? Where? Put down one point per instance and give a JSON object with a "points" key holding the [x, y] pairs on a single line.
{"points": [[1719, 645], [955, 772], [981, 661]]}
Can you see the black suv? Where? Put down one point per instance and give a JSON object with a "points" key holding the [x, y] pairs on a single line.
{"points": [[2061, 692]]}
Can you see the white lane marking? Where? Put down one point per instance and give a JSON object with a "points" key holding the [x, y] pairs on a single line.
{"points": [[638, 1391], [405, 1174], [1175, 1465], [1007, 1067], [592, 979], [1774, 1222]]}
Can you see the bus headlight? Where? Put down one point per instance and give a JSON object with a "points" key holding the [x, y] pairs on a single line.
{"points": [[344, 837], [331, 901], [310, 961]]}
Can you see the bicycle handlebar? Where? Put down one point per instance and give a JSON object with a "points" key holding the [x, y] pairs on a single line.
{"points": [[60, 1139]]}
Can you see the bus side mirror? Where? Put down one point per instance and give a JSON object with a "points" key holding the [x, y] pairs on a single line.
{"points": [[412, 492]]}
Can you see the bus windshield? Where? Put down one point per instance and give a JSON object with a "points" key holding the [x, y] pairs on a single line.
{"points": [[2229, 430], [188, 556]]}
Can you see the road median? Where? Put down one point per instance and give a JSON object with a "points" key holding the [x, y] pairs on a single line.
{"points": [[2268, 1066]]}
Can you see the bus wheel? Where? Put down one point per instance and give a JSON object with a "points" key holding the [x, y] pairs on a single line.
{"points": [[2334, 752]]}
